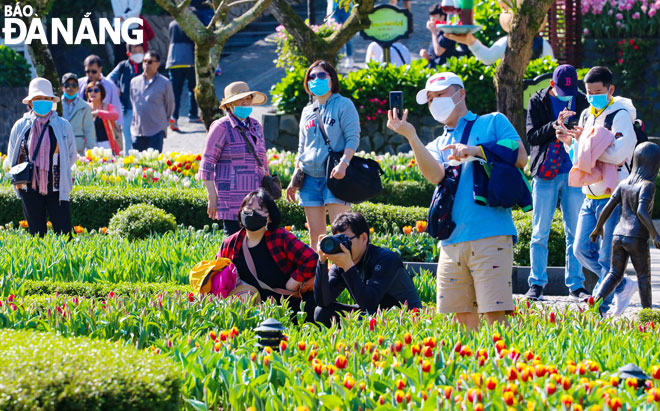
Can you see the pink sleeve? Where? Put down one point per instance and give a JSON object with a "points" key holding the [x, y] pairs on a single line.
{"points": [[215, 143], [109, 114]]}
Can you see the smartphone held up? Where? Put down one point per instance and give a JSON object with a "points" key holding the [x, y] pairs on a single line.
{"points": [[396, 101]]}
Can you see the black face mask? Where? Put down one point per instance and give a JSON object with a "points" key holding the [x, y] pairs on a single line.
{"points": [[253, 221]]}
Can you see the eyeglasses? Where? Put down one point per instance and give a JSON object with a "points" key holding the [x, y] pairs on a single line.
{"points": [[148, 62], [70, 85], [321, 75], [93, 90], [91, 71]]}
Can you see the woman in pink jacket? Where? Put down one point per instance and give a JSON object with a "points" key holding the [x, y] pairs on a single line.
{"points": [[104, 116]]}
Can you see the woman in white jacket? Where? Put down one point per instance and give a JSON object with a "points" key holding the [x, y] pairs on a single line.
{"points": [[46, 140]]}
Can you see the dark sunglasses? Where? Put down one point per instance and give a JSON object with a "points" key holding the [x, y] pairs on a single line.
{"points": [[93, 90], [91, 71], [71, 85], [148, 62], [320, 75]]}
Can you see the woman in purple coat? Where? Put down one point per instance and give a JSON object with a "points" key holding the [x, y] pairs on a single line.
{"points": [[229, 168]]}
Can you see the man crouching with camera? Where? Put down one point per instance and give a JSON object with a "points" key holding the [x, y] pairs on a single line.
{"points": [[375, 277]]}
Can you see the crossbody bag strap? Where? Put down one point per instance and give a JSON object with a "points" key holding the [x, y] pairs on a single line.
{"points": [[41, 137], [319, 121], [466, 131], [252, 150], [253, 270]]}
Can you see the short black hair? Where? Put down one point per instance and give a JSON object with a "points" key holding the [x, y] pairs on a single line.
{"points": [[129, 46], [328, 68], [93, 59], [355, 221], [599, 74], [436, 9], [265, 200], [154, 55]]}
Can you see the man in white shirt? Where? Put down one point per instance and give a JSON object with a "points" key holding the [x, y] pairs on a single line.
{"points": [[399, 54]]}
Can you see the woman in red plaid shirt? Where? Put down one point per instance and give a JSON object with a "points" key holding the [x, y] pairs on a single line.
{"points": [[270, 258]]}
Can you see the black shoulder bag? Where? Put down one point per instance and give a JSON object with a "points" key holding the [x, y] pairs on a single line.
{"points": [[362, 179], [270, 183], [22, 173]]}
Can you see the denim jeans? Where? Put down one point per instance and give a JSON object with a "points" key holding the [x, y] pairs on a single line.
{"points": [[596, 256], [128, 140], [142, 143], [544, 196], [178, 76]]}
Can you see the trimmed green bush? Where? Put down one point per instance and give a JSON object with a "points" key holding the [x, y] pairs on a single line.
{"points": [[100, 289], [40, 371], [141, 221], [14, 69]]}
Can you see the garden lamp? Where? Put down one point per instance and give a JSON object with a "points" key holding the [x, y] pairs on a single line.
{"points": [[270, 333]]}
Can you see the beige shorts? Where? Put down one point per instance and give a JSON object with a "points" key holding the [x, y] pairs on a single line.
{"points": [[475, 276]]}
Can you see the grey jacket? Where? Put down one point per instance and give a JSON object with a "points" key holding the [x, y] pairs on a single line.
{"points": [[82, 122], [65, 140], [342, 124]]}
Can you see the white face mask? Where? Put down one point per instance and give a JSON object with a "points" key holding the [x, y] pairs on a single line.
{"points": [[442, 107], [137, 58]]}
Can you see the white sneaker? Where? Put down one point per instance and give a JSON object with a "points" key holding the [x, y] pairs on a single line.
{"points": [[348, 62], [622, 299]]}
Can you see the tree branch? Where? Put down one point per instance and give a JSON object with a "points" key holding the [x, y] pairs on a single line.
{"points": [[188, 21], [295, 26], [181, 7], [358, 20], [239, 2], [239, 23]]}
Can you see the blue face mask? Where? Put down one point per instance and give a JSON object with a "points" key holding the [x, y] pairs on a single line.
{"points": [[598, 101], [42, 107], [70, 96], [319, 87], [242, 111], [565, 99]]}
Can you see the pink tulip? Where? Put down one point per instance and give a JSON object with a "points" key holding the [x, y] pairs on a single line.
{"points": [[619, 16]]}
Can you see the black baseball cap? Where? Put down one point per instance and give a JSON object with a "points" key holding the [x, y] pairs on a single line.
{"points": [[69, 76]]}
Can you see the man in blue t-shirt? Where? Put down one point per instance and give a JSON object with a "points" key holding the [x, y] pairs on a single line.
{"points": [[474, 270], [550, 165]]}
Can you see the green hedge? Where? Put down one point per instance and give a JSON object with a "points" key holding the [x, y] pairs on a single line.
{"points": [[93, 207], [100, 289], [40, 371]]}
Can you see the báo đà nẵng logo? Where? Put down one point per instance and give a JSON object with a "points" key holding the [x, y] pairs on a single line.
{"points": [[16, 30]]}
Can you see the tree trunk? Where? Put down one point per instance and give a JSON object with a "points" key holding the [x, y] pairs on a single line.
{"points": [[209, 44], [205, 89], [310, 45], [511, 71]]}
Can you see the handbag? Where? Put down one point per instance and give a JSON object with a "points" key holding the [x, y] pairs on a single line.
{"points": [[362, 179], [554, 159], [270, 183], [22, 173]]}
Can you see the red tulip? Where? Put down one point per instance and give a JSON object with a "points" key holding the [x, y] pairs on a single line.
{"points": [[349, 383], [430, 342], [11, 297], [400, 384], [191, 297], [318, 368], [407, 338], [655, 372], [340, 362], [398, 346], [591, 301], [283, 345], [213, 336], [508, 398], [428, 352], [552, 318], [111, 294], [399, 397], [457, 347], [491, 383], [372, 324], [302, 346], [426, 366]]}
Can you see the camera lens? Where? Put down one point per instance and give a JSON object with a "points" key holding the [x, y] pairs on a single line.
{"points": [[330, 245]]}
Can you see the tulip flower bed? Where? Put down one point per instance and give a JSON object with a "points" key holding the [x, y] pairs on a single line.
{"points": [[396, 359]]}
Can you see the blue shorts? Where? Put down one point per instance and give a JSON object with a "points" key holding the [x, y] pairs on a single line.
{"points": [[315, 193]]}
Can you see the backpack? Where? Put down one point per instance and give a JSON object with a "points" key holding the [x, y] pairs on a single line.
{"points": [[638, 125]]}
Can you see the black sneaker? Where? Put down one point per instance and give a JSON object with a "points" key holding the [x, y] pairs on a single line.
{"points": [[535, 293], [581, 295]]}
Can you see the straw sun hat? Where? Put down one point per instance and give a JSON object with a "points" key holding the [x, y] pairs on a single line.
{"points": [[238, 90]]}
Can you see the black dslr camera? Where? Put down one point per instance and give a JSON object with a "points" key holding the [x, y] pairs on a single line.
{"points": [[331, 244]]}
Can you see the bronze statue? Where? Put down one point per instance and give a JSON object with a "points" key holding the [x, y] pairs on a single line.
{"points": [[631, 235]]}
